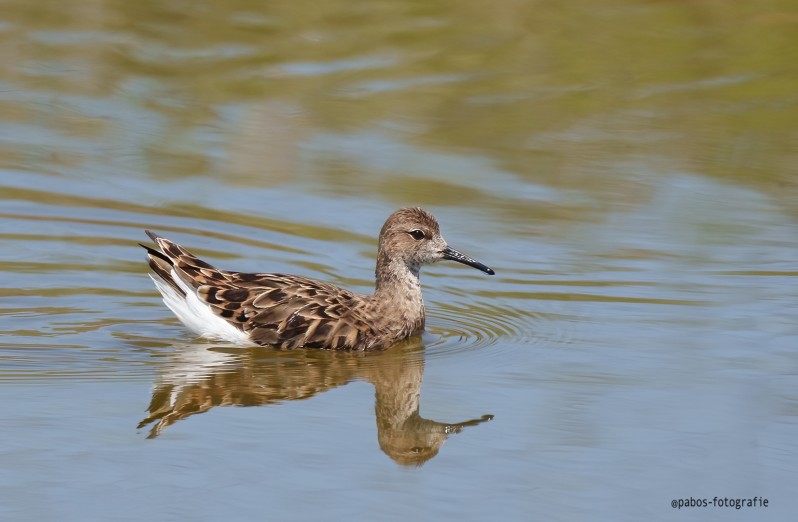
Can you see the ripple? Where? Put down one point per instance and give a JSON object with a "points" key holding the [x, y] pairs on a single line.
{"points": [[459, 327]]}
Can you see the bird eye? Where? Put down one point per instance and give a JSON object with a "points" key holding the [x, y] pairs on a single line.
{"points": [[417, 234]]}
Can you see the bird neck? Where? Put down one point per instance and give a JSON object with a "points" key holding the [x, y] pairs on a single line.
{"points": [[398, 291]]}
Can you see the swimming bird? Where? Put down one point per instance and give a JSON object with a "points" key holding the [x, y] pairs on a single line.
{"points": [[289, 311]]}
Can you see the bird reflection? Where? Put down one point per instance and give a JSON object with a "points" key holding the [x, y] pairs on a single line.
{"points": [[201, 377]]}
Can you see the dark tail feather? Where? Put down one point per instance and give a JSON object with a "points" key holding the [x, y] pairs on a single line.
{"points": [[155, 237], [161, 265], [175, 252], [156, 253]]}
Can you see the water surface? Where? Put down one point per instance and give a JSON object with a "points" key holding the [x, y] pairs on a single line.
{"points": [[627, 169]]}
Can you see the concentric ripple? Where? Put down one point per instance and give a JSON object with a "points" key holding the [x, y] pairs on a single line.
{"points": [[456, 327]]}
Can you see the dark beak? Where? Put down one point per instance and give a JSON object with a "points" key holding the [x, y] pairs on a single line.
{"points": [[454, 255]]}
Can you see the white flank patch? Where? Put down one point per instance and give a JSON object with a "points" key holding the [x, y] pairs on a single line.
{"points": [[197, 315]]}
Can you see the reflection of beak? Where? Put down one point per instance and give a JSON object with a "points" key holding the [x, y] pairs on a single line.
{"points": [[454, 255], [456, 428]]}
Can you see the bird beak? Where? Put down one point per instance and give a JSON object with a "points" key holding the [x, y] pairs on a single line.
{"points": [[454, 255]]}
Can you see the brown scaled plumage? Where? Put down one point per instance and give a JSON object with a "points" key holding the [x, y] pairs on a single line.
{"points": [[292, 311]]}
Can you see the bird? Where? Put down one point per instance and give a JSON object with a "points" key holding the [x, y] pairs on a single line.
{"points": [[290, 311]]}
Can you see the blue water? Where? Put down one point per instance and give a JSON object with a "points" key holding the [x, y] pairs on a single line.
{"points": [[627, 170]]}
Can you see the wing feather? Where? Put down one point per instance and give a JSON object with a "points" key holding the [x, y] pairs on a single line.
{"points": [[273, 309]]}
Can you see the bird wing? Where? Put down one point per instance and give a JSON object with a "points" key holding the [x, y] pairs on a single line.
{"points": [[274, 309]]}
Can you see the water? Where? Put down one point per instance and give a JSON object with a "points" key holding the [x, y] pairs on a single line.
{"points": [[627, 169]]}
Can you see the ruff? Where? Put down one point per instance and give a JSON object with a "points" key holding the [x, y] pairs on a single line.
{"points": [[292, 311]]}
